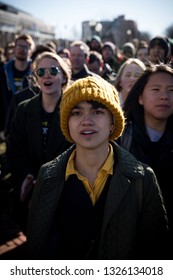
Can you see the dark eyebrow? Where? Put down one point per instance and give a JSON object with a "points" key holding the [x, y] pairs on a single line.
{"points": [[76, 107]]}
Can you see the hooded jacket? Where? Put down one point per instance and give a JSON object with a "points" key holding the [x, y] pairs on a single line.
{"points": [[8, 89]]}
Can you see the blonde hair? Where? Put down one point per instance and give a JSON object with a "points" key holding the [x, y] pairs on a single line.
{"points": [[63, 66], [121, 69]]}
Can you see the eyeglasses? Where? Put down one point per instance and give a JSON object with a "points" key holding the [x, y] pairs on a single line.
{"points": [[53, 71], [25, 48]]}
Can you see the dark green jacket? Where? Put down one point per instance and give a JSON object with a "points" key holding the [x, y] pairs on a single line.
{"points": [[127, 232]]}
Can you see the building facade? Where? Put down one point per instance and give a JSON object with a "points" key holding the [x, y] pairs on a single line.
{"points": [[14, 21], [117, 31]]}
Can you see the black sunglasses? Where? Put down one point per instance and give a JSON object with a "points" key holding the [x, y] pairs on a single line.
{"points": [[53, 71]]}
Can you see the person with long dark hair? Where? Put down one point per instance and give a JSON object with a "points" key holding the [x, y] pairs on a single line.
{"points": [[148, 133]]}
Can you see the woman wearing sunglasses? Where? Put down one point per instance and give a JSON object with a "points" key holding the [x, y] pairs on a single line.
{"points": [[35, 135]]}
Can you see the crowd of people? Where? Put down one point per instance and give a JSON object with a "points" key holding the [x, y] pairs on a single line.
{"points": [[87, 137]]}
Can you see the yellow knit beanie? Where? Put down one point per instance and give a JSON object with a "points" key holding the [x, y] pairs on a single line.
{"points": [[95, 89]]}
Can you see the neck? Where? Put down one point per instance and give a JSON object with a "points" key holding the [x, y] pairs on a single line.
{"points": [[49, 102], [21, 65], [158, 125], [124, 95], [89, 162]]}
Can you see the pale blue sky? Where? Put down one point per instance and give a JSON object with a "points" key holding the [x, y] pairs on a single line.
{"points": [[152, 16]]}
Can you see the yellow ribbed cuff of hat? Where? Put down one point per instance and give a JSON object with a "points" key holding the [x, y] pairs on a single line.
{"points": [[87, 89]]}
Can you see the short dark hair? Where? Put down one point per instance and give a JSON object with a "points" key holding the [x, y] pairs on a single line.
{"points": [[26, 37]]}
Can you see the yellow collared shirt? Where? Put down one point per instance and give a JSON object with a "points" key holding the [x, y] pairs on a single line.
{"points": [[99, 183]]}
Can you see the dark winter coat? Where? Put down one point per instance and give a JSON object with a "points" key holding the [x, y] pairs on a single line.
{"points": [[158, 155], [128, 231], [85, 72], [25, 148]]}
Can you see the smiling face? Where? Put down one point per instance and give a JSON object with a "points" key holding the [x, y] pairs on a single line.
{"points": [[157, 98], [90, 126], [50, 84]]}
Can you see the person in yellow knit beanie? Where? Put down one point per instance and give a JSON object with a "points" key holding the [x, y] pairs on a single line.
{"points": [[95, 201], [92, 89]]}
